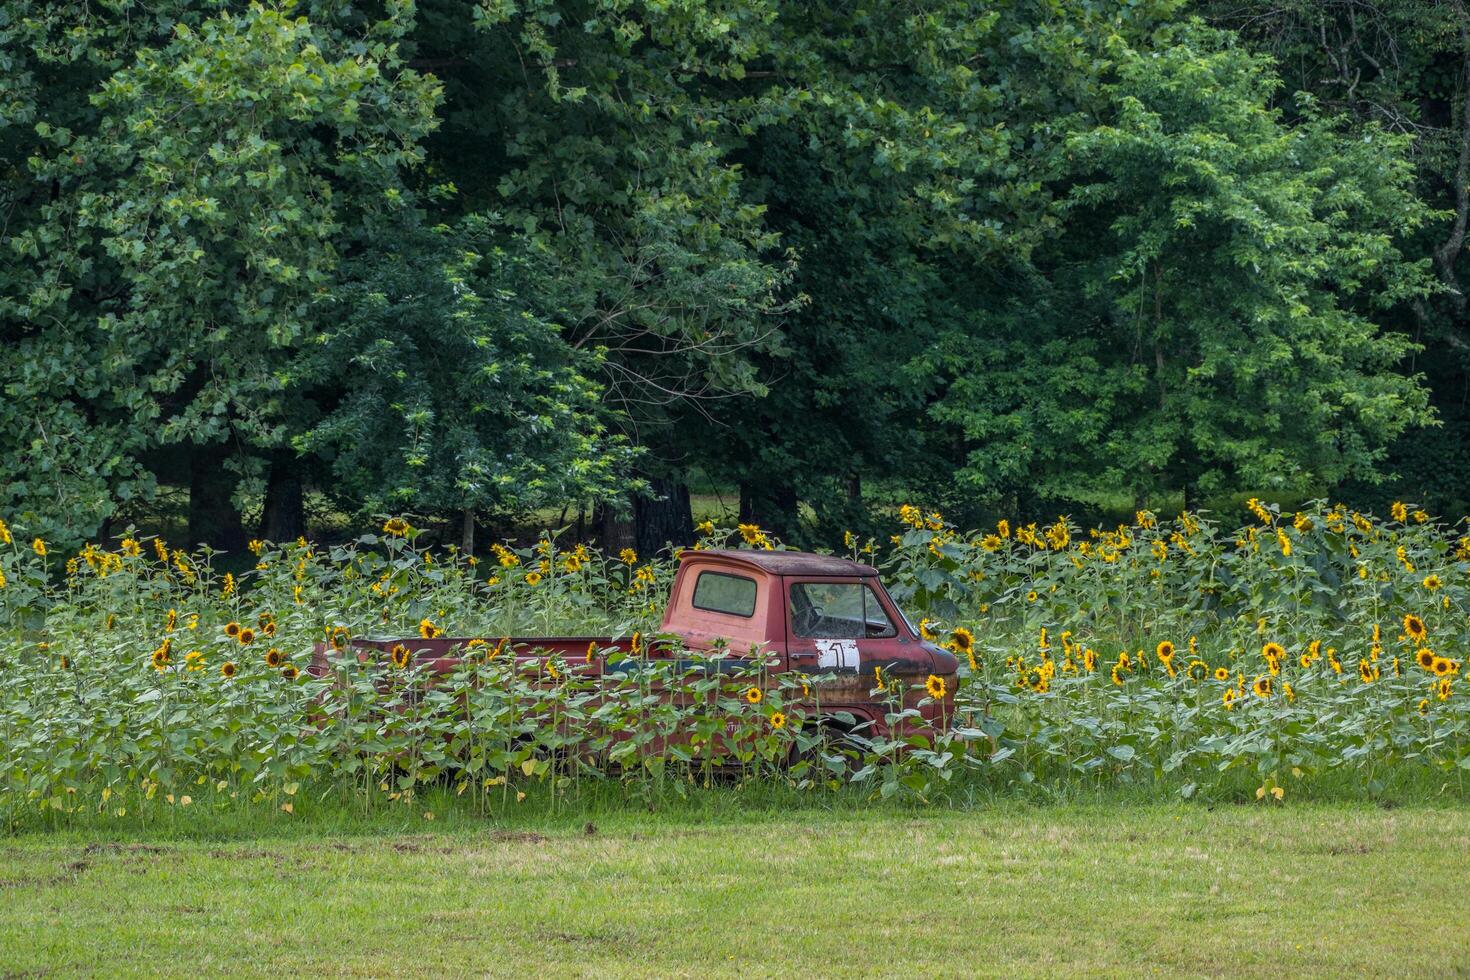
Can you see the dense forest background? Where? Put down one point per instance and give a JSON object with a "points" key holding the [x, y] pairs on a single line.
{"points": [[518, 261]]}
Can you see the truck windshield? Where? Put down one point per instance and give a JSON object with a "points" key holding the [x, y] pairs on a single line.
{"points": [[838, 610]]}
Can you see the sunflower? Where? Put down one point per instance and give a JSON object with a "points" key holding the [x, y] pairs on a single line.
{"points": [[160, 658], [1432, 582], [228, 669], [1414, 628], [1165, 652], [1443, 687], [397, 527], [269, 629], [753, 694], [1273, 651], [339, 637], [778, 720], [274, 658], [925, 633], [533, 579], [1036, 680], [1262, 686], [1031, 596], [1425, 658], [232, 630], [246, 637], [290, 672], [1442, 666], [1228, 698], [400, 655], [1424, 706], [39, 547], [935, 687], [1222, 673], [1089, 659], [194, 660], [1367, 672], [1198, 670], [636, 643], [963, 639], [428, 630], [1288, 692], [1118, 670]]}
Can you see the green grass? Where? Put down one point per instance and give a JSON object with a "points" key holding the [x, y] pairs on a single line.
{"points": [[1116, 889]]}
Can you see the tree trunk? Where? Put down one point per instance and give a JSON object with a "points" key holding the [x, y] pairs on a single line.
{"points": [[774, 508], [467, 532], [284, 516], [213, 518], [617, 531], [663, 519]]}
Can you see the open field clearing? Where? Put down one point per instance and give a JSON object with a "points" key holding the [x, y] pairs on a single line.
{"points": [[1055, 890]]}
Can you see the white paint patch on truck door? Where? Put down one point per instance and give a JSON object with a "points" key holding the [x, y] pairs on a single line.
{"points": [[837, 654]]}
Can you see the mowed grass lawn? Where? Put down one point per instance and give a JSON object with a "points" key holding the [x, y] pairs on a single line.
{"points": [[1036, 890]]}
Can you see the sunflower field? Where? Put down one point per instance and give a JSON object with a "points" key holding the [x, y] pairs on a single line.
{"points": [[1187, 654]]}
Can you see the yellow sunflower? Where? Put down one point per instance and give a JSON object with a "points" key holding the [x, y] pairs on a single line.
{"points": [[754, 694], [274, 658], [290, 672], [428, 630], [1273, 651], [963, 639], [1198, 670], [778, 720], [1414, 628], [533, 579], [246, 637], [1442, 666], [1262, 686], [935, 687], [1222, 673], [400, 655], [1165, 652], [1425, 658], [228, 669], [397, 527], [232, 630]]}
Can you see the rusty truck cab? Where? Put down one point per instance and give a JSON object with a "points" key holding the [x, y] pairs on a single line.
{"points": [[816, 614]]}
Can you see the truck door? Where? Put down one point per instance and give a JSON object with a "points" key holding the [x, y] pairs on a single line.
{"points": [[841, 626]]}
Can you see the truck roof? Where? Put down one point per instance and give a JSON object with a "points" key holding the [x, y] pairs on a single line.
{"points": [[785, 562]]}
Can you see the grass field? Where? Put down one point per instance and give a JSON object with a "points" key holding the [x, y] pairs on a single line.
{"points": [[1056, 890]]}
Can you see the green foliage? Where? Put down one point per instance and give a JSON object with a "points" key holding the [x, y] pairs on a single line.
{"points": [[454, 399], [466, 258]]}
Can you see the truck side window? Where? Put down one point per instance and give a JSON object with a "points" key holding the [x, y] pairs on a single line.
{"points": [[837, 610], [718, 592]]}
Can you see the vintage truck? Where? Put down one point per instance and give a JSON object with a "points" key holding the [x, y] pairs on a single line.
{"points": [[829, 618]]}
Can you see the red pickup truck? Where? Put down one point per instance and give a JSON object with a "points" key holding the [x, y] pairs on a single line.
{"points": [[826, 617]]}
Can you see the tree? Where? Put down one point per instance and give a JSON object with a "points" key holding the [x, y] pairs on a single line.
{"points": [[177, 239], [452, 396], [1204, 328]]}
